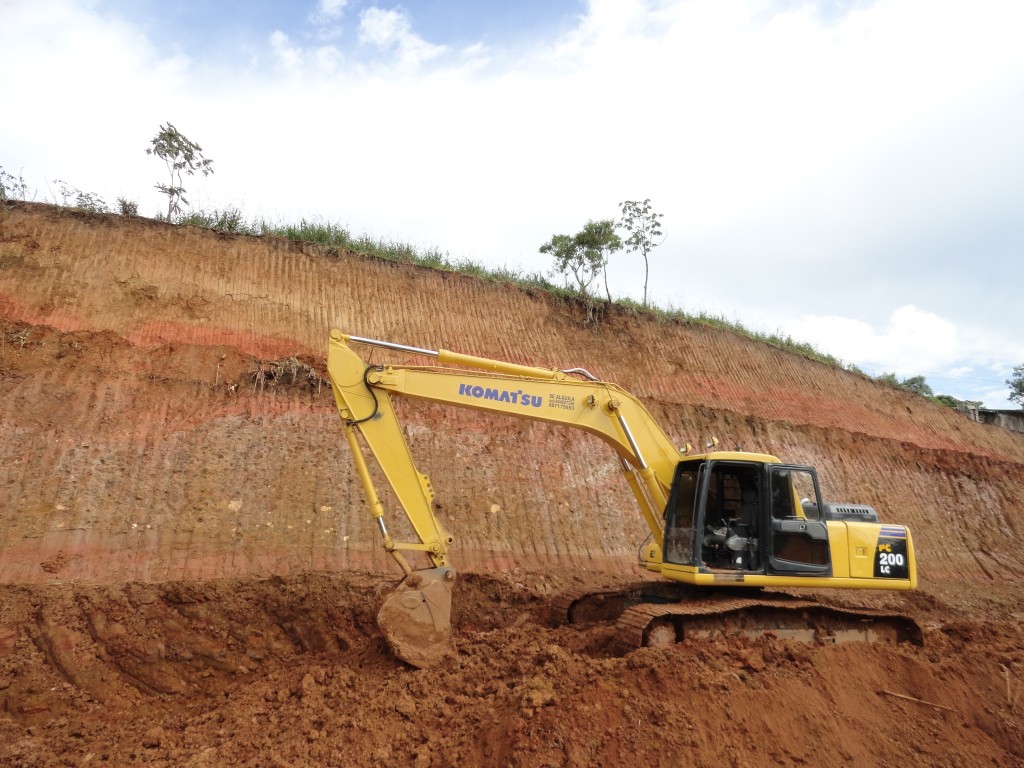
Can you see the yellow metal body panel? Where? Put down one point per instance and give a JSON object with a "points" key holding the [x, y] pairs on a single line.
{"points": [[838, 541], [690, 575], [756, 458], [863, 539]]}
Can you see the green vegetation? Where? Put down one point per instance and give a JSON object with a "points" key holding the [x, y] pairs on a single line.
{"points": [[918, 386], [12, 187], [127, 207], [643, 226], [229, 220], [73, 197], [585, 255], [180, 155], [1016, 385]]}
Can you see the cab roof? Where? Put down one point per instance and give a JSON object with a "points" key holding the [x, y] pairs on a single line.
{"points": [[757, 458]]}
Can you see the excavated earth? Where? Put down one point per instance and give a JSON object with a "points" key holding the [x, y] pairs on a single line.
{"points": [[189, 575]]}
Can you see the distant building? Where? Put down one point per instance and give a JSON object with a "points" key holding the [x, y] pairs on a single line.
{"points": [[1012, 420]]}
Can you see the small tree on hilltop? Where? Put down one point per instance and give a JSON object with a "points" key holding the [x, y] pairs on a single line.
{"points": [[643, 226], [599, 241], [585, 254], [1016, 384], [181, 155], [572, 260], [917, 385]]}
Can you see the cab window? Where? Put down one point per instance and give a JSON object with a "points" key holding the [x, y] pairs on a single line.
{"points": [[680, 513]]}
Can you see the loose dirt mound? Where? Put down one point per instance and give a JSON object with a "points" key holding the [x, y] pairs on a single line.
{"points": [[292, 671], [189, 575]]}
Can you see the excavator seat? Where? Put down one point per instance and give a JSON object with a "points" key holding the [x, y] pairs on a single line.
{"points": [[733, 543]]}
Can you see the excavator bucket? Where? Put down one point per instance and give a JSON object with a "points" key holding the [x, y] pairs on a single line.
{"points": [[416, 617]]}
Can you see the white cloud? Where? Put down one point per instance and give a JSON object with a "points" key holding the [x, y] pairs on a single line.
{"points": [[913, 340], [956, 358], [326, 16], [310, 65], [475, 57], [392, 30], [285, 53], [331, 9], [80, 90]]}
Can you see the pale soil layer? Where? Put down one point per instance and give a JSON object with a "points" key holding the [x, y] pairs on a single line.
{"points": [[189, 575]]}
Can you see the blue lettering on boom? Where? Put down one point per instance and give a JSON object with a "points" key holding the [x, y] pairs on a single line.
{"points": [[501, 395]]}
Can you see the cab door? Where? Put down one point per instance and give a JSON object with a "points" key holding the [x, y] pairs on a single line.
{"points": [[730, 517], [681, 511], [799, 536]]}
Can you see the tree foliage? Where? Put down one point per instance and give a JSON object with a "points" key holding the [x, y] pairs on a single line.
{"points": [[584, 256], [182, 156], [644, 227], [1016, 385], [12, 187], [917, 385], [599, 241]]}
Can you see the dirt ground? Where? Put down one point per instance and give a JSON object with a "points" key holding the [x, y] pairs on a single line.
{"points": [[188, 575], [292, 671]]}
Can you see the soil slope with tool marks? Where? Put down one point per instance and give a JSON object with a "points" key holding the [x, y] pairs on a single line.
{"points": [[189, 576]]}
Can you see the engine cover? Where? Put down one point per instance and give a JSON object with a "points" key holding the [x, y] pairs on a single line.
{"points": [[851, 512]]}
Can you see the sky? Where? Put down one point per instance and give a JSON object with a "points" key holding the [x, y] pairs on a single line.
{"points": [[846, 173]]}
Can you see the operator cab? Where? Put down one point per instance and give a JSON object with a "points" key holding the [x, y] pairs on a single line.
{"points": [[737, 513]]}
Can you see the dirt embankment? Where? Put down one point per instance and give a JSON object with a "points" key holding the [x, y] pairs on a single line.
{"points": [[190, 574]]}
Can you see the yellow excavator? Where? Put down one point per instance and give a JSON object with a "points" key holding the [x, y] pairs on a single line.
{"points": [[720, 521]]}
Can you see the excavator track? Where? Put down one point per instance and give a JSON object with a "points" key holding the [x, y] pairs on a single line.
{"points": [[654, 614], [584, 606], [792, 620]]}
